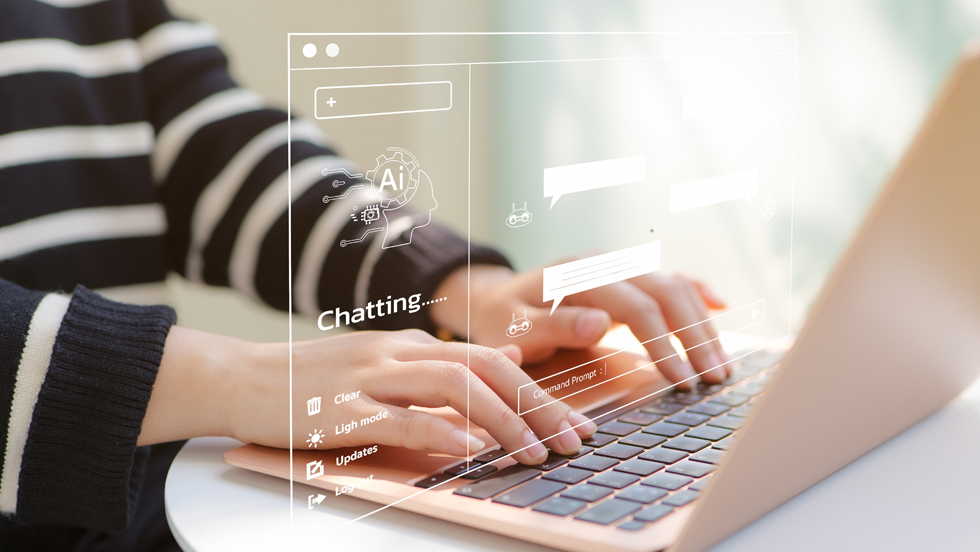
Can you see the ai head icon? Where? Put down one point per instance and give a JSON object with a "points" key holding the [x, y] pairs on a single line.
{"points": [[518, 326]]}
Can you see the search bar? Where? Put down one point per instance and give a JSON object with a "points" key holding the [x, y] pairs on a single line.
{"points": [[369, 100]]}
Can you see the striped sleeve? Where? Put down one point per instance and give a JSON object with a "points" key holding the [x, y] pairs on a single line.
{"points": [[75, 378], [221, 160]]}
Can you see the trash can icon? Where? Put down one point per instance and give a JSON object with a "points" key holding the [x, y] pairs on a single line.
{"points": [[313, 406]]}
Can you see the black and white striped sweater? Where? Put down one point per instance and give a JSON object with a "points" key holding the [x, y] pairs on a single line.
{"points": [[127, 152]]}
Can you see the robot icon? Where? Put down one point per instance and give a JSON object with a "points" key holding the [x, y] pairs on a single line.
{"points": [[518, 217], [518, 326]]}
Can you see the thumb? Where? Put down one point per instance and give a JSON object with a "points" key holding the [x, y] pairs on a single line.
{"points": [[513, 352], [570, 327]]}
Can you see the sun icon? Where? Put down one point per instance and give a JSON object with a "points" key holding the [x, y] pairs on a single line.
{"points": [[315, 438]]}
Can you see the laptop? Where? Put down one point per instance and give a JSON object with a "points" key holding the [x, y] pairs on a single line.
{"points": [[893, 337]]}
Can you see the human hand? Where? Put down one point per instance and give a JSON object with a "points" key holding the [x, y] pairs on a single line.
{"points": [[652, 305], [380, 371]]}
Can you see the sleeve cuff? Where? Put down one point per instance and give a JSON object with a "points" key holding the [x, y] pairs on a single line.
{"points": [[80, 463]]}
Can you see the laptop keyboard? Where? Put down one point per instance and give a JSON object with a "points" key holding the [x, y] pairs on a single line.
{"points": [[639, 465]]}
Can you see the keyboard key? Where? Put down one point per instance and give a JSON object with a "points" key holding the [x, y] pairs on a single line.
{"points": [[618, 451], [681, 498], [581, 452], [749, 390], [568, 475], [587, 492], [527, 494], [727, 422], [724, 444], [709, 409], [710, 456], [669, 481], [730, 399], [551, 462], [709, 432], [706, 389], [461, 467], [559, 506], [742, 411], [618, 428], [632, 525], [653, 513], [593, 463], [434, 480], [664, 456], [639, 467], [479, 472], [701, 484], [490, 456], [645, 440], [598, 440], [683, 397], [666, 429], [688, 419], [616, 480], [640, 418], [499, 482], [687, 444], [661, 407], [609, 511], [642, 493], [691, 469]]}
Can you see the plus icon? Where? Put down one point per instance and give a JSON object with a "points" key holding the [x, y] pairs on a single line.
{"points": [[331, 101]]}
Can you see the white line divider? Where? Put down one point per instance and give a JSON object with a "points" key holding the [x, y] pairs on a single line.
{"points": [[592, 272], [592, 176], [588, 375]]}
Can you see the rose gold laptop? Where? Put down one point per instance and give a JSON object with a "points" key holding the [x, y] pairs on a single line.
{"points": [[900, 314]]}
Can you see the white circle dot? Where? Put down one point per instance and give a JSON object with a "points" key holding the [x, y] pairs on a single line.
{"points": [[309, 50], [333, 49]]}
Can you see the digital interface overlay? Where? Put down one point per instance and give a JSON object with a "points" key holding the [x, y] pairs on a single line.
{"points": [[593, 157]]}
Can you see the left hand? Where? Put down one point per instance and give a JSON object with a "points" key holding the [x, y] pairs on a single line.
{"points": [[652, 305]]}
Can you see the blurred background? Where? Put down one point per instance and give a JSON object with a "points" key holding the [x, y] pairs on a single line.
{"points": [[867, 72]]}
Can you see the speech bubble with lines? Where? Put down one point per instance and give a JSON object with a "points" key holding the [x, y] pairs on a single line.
{"points": [[592, 176], [592, 272]]}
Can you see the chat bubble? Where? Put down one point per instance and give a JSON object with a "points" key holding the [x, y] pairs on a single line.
{"points": [[709, 191], [585, 274], [592, 176]]}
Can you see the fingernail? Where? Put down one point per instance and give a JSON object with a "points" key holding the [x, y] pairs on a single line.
{"points": [[463, 439], [589, 324], [583, 425], [534, 451], [567, 438]]}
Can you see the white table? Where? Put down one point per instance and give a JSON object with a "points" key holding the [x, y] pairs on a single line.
{"points": [[917, 492]]}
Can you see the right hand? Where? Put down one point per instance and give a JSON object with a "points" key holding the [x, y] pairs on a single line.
{"points": [[392, 371]]}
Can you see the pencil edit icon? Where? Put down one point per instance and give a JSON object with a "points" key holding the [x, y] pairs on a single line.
{"points": [[314, 469]]}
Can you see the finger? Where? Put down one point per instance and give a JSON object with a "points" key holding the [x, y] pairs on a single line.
{"points": [[697, 301], [711, 299], [544, 415], [680, 305], [513, 352], [630, 305], [437, 383], [504, 379], [415, 430]]}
